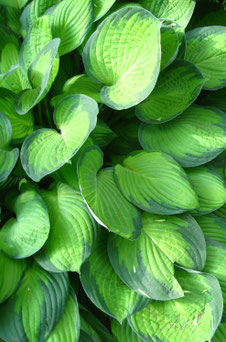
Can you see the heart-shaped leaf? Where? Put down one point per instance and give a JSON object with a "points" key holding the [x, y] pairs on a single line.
{"points": [[193, 318], [101, 7], [220, 334], [106, 203], [146, 264], [104, 287], [177, 87], [127, 44], [123, 332], [209, 187], [193, 138], [155, 182], [73, 230], [36, 307], [8, 155], [24, 235], [46, 150], [11, 271], [206, 49]]}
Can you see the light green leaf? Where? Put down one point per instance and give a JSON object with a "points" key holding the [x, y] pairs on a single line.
{"points": [[220, 335], [106, 203], [169, 45], [46, 150], [176, 10], [101, 7], [73, 230], [8, 155], [33, 311], [21, 125], [123, 54], [24, 235], [71, 23], [209, 187], [7, 36], [146, 265], [176, 89], [11, 271], [155, 182], [193, 138], [18, 4], [67, 329], [193, 318], [123, 332], [104, 287], [207, 50]]}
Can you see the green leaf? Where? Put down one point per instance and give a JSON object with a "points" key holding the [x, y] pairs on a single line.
{"points": [[123, 332], [193, 318], [67, 329], [214, 229], [206, 49], [46, 150], [169, 45], [146, 264], [33, 311], [220, 335], [221, 212], [155, 182], [176, 89], [12, 19], [8, 155], [193, 138], [216, 98], [24, 235], [101, 7], [18, 4], [176, 10], [11, 273], [123, 54], [72, 233], [70, 23], [209, 187], [87, 333], [104, 200], [102, 135], [104, 287], [7, 36], [21, 125]]}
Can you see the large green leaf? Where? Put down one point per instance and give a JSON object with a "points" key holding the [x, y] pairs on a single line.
{"points": [[67, 329], [146, 264], [106, 203], [193, 318], [214, 229], [33, 311], [71, 23], [206, 48], [21, 125], [73, 230], [24, 235], [8, 155], [18, 4], [101, 7], [46, 150], [123, 54], [123, 332], [11, 271], [193, 138], [155, 182], [104, 287], [169, 45], [220, 335], [177, 87], [209, 187]]}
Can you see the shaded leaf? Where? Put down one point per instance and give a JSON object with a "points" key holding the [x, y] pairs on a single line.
{"points": [[123, 332]]}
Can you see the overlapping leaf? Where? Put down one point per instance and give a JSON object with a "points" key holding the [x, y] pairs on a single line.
{"points": [[220, 334], [123, 332], [101, 7], [169, 45]]}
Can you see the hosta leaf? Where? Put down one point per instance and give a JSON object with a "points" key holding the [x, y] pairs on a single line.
{"points": [[71, 23], [18, 4], [193, 138], [214, 229], [8, 155], [46, 150], [206, 48], [146, 264], [104, 287], [169, 45], [176, 10], [11, 271], [7, 36], [73, 230], [36, 307], [216, 98], [220, 334], [101, 7], [209, 187], [123, 332], [12, 19], [221, 212], [155, 182], [21, 125], [102, 135], [193, 318], [106, 203], [127, 44], [177, 87], [24, 235], [67, 329], [41, 74], [87, 333]]}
